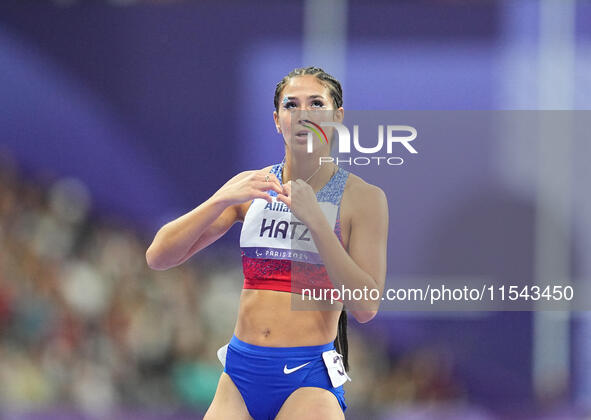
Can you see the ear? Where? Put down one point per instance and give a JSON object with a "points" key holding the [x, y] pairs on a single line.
{"points": [[276, 119], [339, 115]]}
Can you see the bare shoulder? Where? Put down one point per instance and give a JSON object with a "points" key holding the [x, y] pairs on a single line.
{"points": [[361, 203], [364, 210], [359, 193], [242, 208]]}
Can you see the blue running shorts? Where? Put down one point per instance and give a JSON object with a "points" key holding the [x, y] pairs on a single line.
{"points": [[266, 376]]}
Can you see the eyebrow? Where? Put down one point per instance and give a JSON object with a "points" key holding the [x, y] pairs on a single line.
{"points": [[309, 97]]}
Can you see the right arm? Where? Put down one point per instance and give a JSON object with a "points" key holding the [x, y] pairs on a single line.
{"points": [[181, 238]]}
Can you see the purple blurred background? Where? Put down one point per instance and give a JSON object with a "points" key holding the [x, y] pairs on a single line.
{"points": [[118, 116]]}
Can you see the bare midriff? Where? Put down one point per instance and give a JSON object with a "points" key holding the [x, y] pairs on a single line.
{"points": [[266, 318]]}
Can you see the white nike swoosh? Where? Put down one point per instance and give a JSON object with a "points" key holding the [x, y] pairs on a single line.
{"points": [[288, 371]]}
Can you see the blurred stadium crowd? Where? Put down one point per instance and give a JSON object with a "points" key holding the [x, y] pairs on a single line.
{"points": [[85, 324]]}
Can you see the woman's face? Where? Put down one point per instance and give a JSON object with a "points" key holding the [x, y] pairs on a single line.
{"points": [[305, 98]]}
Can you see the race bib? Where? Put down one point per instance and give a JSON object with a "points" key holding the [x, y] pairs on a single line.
{"points": [[270, 230], [336, 369], [222, 354]]}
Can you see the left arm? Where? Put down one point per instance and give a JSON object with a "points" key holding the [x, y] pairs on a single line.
{"points": [[364, 267], [365, 264]]}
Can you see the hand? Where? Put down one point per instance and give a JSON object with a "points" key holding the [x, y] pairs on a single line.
{"points": [[249, 185], [304, 204]]}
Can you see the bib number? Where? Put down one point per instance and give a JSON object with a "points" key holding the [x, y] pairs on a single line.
{"points": [[222, 354], [335, 367]]}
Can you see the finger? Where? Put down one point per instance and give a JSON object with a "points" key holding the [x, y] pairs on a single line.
{"points": [[269, 177], [272, 178], [297, 186], [263, 195], [284, 199], [263, 174], [266, 186], [287, 189], [301, 185]]}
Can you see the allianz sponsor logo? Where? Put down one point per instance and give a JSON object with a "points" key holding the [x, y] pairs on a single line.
{"points": [[277, 206]]}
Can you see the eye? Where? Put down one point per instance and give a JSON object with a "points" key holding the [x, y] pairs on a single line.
{"points": [[317, 103], [289, 105]]}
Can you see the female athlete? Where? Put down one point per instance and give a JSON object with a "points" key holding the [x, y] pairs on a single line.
{"points": [[282, 363]]}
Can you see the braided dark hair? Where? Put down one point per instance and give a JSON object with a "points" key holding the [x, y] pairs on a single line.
{"points": [[336, 92], [341, 343], [333, 85]]}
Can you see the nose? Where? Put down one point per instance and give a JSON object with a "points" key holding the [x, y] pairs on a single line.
{"points": [[303, 114]]}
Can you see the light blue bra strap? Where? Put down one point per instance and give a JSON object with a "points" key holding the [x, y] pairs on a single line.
{"points": [[333, 191], [276, 170]]}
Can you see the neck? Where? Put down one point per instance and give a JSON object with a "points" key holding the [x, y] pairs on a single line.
{"points": [[318, 175]]}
